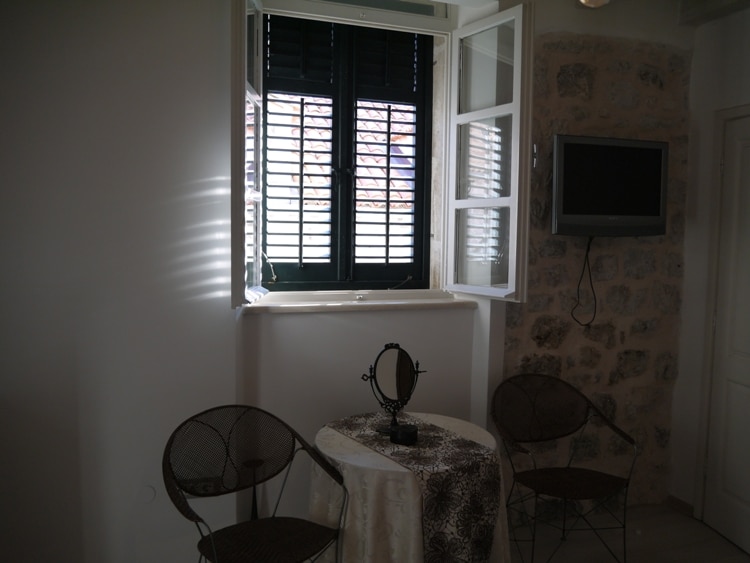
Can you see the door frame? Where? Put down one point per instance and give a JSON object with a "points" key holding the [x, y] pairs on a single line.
{"points": [[721, 118]]}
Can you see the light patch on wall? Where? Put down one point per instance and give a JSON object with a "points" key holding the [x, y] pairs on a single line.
{"points": [[198, 264], [594, 3]]}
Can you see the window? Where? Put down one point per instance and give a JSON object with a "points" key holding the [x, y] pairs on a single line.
{"points": [[351, 176], [346, 115], [489, 124]]}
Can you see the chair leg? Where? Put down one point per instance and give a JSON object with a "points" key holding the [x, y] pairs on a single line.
{"points": [[533, 526], [518, 516], [563, 531], [583, 516], [624, 533]]}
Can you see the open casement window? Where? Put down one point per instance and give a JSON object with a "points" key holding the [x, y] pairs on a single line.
{"points": [[246, 163], [252, 193], [490, 153], [487, 165]]}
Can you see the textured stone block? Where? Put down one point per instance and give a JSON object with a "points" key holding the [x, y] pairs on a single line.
{"points": [[576, 80], [555, 275], [639, 263], [586, 447], [540, 303], [624, 95], [589, 357], [651, 76], [605, 267], [549, 332], [630, 363], [672, 265], [602, 333], [624, 300], [645, 328], [665, 366], [666, 298], [545, 363], [555, 248]]}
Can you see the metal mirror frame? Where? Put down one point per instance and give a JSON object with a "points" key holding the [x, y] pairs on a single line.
{"points": [[404, 387]]}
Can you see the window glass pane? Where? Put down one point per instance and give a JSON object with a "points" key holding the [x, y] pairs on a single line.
{"points": [[384, 192], [484, 161], [482, 246], [298, 178], [252, 194], [486, 70]]}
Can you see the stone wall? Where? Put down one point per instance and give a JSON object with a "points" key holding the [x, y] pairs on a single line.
{"points": [[626, 359]]}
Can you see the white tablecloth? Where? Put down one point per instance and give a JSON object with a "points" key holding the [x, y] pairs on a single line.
{"points": [[384, 514]]}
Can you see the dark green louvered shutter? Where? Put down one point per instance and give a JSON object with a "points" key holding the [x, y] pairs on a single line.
{"points": [[346, 136]]}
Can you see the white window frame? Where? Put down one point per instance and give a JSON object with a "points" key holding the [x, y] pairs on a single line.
{"points": [[338, 12], [521, 151], [517, 201]]}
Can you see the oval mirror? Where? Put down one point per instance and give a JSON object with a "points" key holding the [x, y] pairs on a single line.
{"points": [[393, 378], [395, 374]]}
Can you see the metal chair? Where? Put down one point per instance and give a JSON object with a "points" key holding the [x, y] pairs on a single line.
{"points": [[233, 448], [537, 417]]}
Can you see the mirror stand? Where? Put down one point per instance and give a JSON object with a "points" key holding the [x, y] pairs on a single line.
{"points": [[393, 378]]}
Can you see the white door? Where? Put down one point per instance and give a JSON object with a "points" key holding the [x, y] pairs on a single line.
{"points": [[727, 492]]}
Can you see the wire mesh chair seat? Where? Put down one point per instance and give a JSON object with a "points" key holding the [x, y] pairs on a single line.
{"points": [[284, 540], [574, 483], [535, 414], [231, 448]]}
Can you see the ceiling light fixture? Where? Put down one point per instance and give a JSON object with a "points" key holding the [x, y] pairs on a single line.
{"points": [[594, 3]]}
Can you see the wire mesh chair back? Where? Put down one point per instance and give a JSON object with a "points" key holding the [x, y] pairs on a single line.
{"points": [[225, 450], [536, 408]]}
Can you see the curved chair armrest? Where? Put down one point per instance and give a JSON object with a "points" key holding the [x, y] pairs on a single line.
{"points": [[321, 460], [612, 426], [326, 465], [513, 448], [622, 434], [519, 449]]}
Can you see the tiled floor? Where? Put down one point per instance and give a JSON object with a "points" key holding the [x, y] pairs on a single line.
{"points": [[656, 534]]}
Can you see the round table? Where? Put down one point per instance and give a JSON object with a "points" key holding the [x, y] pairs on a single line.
{"points": [[383, 521]]}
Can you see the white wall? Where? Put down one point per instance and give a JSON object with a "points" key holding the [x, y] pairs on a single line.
{"points": [[307, 367], [720, 79], [114, 160], [645, 20]]}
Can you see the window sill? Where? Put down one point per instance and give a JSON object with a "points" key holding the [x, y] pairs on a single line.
{"points": [[341, 301]]}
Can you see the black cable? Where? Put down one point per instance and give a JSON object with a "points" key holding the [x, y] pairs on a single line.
{"points": [[401, 283], [586, 265], [274, 277]]}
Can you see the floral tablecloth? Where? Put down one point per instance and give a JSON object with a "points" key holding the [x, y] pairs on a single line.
{"points": [[457, 478]]}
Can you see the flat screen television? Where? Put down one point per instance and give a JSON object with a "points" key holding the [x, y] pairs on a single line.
{"points": [[603, 186]]}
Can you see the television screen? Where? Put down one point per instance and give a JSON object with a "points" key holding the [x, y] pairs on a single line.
{"points": [[609, 187]]}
